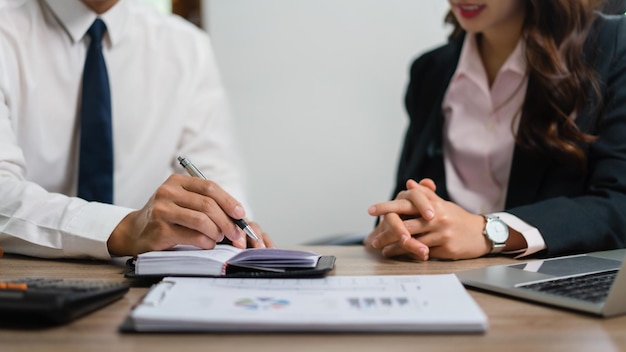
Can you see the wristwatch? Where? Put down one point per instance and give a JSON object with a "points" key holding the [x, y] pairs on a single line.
{"points": [[497, 232]]}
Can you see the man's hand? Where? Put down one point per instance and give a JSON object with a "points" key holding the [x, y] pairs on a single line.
{"points": [[183, 210]]}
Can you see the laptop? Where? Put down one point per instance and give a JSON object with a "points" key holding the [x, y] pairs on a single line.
{"points": [[593, 283]]}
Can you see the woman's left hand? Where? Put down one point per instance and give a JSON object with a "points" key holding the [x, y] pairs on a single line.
{"points": [[421, 224]]}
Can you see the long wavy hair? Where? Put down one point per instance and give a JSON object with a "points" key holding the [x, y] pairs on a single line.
{"points": [[559, 81]]}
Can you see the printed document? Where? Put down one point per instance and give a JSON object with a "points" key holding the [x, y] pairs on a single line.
{"points": [[403, 303]]}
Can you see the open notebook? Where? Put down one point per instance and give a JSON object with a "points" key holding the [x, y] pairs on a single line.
{"points": [[593, 283], [229, 261]]}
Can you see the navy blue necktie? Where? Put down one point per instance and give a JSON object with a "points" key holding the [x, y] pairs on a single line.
{"points": [[95, 165]]}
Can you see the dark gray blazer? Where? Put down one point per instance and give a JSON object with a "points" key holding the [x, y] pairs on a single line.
{"points": [[574, 212]]}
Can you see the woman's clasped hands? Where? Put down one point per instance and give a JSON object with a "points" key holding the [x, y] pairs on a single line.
{"points": [[420, 224]]}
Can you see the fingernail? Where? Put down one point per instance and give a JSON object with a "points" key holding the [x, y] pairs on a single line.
{"points": [[424, 253], [239, 212], [236, 235], [375, 243], [372, 209], [429, 214]]}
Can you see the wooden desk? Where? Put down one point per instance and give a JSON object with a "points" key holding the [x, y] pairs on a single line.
{"points": [[513, 325]]}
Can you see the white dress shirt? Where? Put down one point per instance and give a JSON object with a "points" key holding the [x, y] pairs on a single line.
{"points": [[167, 100], [480, 122]]}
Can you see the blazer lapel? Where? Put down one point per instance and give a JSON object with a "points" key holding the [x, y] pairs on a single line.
{"points": [[430, 146]]}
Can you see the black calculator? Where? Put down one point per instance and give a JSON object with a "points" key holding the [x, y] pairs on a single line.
{"points": [[45, 301]]}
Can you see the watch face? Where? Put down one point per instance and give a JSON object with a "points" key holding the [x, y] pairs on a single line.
{"points": [[498, 231]]}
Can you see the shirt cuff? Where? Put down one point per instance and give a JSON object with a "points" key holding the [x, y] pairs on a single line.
{"points": [[531, 234], [91, 228]]}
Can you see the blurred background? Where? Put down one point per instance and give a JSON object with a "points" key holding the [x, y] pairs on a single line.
{"points": [[316, 88]]}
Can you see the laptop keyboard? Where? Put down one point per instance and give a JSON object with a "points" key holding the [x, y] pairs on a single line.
{"points": [[592, 288]]}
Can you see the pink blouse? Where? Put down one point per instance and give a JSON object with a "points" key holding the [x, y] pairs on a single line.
{"points": [[480, 123]]}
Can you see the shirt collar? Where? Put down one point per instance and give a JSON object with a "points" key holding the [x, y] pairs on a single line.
{"points": [[470, 63], [516, 62], [76, 18]]}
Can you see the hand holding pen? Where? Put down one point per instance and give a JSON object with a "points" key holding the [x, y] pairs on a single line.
{"points": [[184, 211], [193, 171]]}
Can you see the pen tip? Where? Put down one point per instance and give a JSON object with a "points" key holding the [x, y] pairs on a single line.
{"points": [[251, 234]]}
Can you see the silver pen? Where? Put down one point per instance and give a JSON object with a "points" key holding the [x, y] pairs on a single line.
{"points": [[193, 171]]}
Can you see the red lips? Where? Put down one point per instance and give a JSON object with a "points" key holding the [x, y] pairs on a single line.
{"points": [[470, 10]]}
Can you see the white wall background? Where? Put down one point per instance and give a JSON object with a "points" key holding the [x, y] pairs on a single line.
{"points": [[316, 88]]}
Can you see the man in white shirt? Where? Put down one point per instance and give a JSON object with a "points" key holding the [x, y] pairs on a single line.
{"points": [[166, 100]]}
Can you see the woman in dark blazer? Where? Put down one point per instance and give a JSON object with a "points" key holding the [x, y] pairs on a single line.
{"points": [[563, 177]]}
